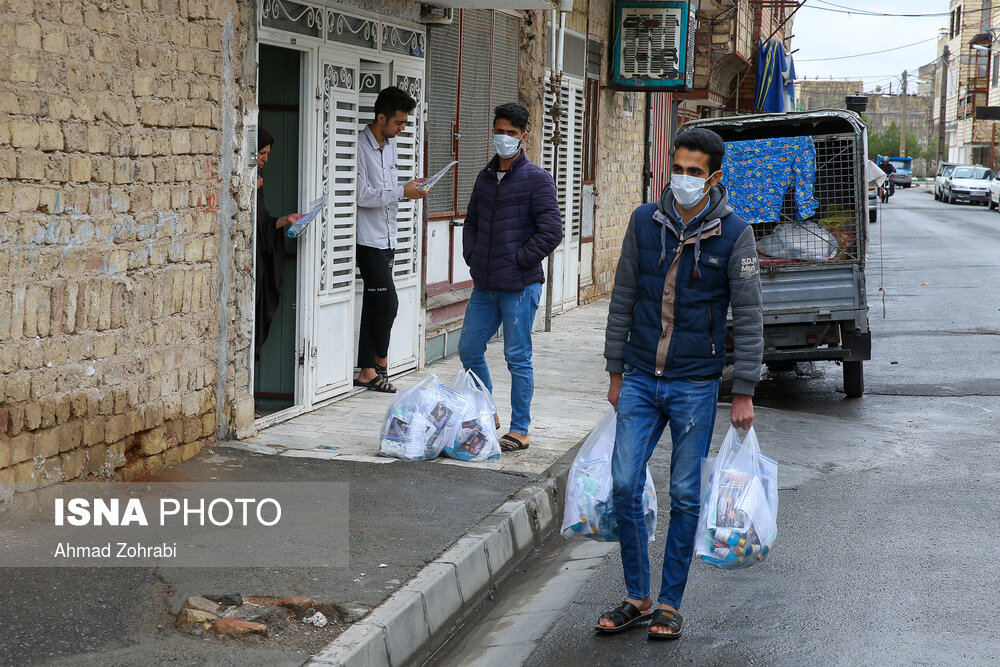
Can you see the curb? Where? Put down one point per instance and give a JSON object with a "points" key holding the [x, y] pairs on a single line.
{"points": [[457, 581]]}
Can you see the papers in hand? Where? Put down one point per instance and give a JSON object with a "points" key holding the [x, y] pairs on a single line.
{"points": [[299, 226], [429, 183]]}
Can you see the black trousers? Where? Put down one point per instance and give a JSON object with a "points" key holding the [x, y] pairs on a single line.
{"points": [[379, 304]]}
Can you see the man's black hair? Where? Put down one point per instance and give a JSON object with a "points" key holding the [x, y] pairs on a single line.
{"points": [[264, 139], [513, 112], [703, 141], [393, 99]]}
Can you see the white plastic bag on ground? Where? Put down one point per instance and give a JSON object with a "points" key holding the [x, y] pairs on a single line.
{"points": [[589, 509], [476, 438], [421, 421], [739, 505]]}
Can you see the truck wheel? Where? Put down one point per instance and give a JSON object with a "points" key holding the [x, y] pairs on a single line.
{"points": [[854, 379]]}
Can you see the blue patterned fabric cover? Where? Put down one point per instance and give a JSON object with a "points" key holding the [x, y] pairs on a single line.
{"points": [[759, 172]]}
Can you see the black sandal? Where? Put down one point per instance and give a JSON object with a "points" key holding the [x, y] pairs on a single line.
{"points": [[382, 370], [509, 443], [624, 616], [378, 383], [666, 618]]}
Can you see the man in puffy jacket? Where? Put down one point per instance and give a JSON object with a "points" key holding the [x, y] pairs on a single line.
{"points": [[512, 223], [685, 260]]}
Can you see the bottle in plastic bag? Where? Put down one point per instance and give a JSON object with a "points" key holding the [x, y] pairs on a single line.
{"points": [[476, 438], [737, 526], [589, 508], [421, 421]]}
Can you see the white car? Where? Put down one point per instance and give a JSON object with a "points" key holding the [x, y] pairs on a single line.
{"points": [[943, 172], [967, 183], [995, 193]]}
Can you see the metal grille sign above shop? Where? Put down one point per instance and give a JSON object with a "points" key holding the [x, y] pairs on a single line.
{"points": [[653, 45], [334, 26]]}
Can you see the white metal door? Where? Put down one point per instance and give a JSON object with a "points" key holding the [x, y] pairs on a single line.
{"points": [[405, 345], [568, 175], [333, 235]]}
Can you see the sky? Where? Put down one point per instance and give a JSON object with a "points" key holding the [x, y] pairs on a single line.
{"points": [[820, 34]]}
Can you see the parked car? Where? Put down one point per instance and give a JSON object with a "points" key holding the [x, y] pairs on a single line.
{"points": [[967, 183], [943, 171], [995, 193]]}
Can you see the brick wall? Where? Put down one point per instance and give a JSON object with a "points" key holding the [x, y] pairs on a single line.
{"points": [[120, 208]]}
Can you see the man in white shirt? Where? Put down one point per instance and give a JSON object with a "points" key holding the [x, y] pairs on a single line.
{"points": [[379, 193]]}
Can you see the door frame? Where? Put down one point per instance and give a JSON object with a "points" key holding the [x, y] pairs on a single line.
{"points": [[315, 49], [303, 316]]}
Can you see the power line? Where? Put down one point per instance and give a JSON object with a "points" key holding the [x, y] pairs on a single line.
{"points": [[844, 9], [870, 53]]}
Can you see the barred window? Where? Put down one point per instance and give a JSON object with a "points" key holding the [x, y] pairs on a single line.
{"points": [[474, 68]]}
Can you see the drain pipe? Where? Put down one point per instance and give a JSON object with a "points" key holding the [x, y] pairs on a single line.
{"points": [[555, 112]]}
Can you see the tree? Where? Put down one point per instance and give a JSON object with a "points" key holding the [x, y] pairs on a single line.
{"points": [[887, 143]]}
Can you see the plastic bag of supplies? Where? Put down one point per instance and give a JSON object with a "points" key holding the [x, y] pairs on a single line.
{"points": [[476, 437], [421, 421], [589, 509], [739, 505]]}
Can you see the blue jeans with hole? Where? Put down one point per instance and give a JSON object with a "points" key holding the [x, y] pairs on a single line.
{"points": [[645, 406], [487, 310]]}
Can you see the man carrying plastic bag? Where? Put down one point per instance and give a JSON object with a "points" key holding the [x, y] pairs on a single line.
{"points": [[589, 510], [739, 507], [685, 260], [421, 421], [476, 438]]}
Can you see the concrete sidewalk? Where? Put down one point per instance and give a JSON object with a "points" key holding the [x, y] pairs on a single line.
{"points": [[570, 395], [428, 540]]}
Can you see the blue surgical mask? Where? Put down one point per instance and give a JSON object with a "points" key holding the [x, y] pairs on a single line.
{"points": [[687, 190], [506, 147]]}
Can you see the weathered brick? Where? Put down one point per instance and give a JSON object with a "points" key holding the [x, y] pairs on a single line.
{"points": [[29, 36], [24, 133], [8, 163], [80, 168]]}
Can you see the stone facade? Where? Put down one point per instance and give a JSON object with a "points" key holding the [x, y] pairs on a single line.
{"points": [[120, 207]]}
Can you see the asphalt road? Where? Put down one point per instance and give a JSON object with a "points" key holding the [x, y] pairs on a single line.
{"points": [[887, 518]]}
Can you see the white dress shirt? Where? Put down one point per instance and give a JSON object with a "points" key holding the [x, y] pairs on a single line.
{"points": [[379, 192]]}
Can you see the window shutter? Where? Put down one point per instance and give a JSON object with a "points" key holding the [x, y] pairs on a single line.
{"points": [[442, 100], [476, 114]]}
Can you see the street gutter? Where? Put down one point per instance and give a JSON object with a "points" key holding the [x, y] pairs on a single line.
{"points": [[420, 616]]}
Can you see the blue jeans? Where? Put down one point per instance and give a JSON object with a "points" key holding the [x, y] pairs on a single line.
{"points": [[487, 309], [645, 406]]}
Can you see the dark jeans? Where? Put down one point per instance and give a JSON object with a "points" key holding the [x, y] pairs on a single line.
{"points": [[646, 405], [379, 305]]}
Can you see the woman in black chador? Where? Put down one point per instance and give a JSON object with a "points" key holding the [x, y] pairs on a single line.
{"points": [[270, 250]]}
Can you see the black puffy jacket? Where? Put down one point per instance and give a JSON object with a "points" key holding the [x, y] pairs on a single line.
{"points": [[511, 225]]}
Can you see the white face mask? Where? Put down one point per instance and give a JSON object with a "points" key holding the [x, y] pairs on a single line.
{"points": [[506, 147], [688, 190]]}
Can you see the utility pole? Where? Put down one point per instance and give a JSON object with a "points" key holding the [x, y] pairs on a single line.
{"points": [[902, 120], [944, 103]]}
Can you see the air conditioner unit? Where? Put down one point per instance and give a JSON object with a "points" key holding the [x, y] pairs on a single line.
{"points": [[653, 45], [436, 15]]}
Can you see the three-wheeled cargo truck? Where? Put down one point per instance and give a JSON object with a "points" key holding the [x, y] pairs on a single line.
{"points": [[812, 245]]}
